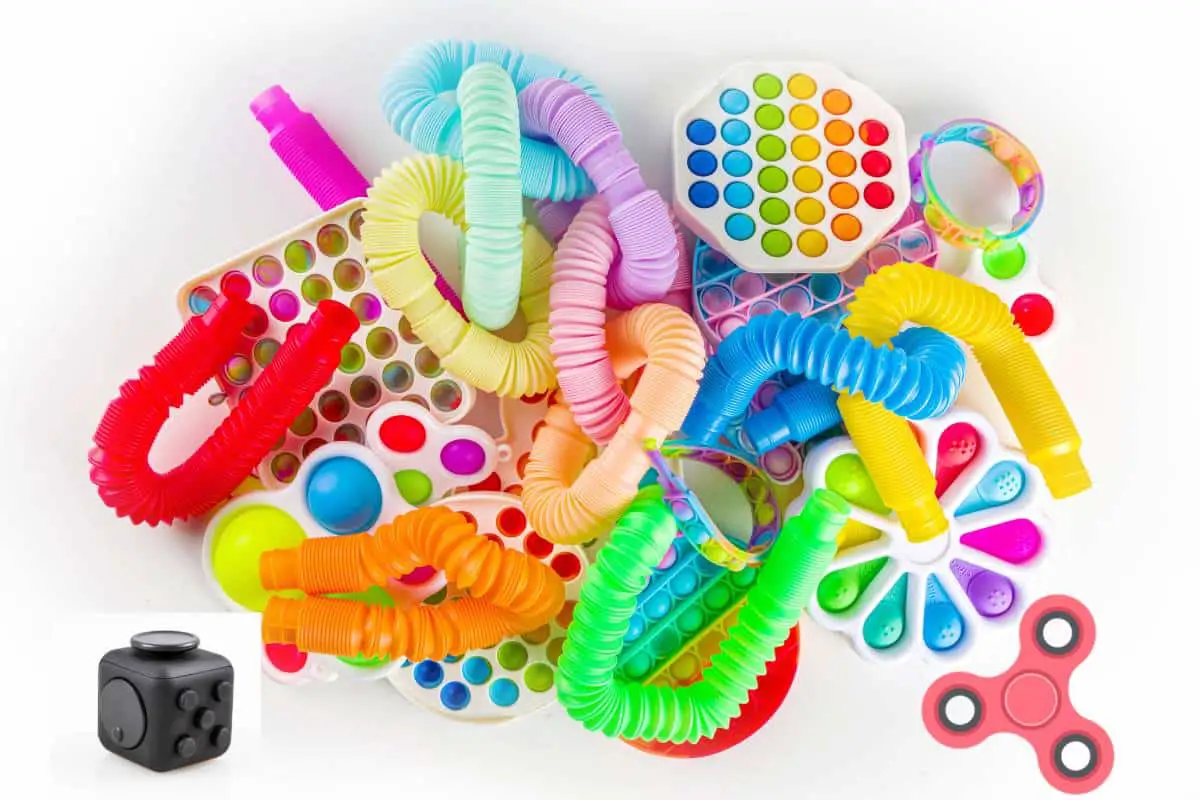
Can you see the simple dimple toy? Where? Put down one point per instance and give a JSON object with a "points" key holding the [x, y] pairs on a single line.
{"points": [[903, 293], [1011, 273], [391, 241], [1031, 700], [285, 280], [418, 101], [120, 460], [572, 497], [513, 677], [920, 378], [640, 221], [726, 296], [589, 686], [507, 592], [895, 598], [790, 167], [697, 525], [495, 212], [163, 702], [1006, 149]]}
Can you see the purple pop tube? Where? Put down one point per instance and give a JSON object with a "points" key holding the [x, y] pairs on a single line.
{"points": [[639, 216], [316, 161]]}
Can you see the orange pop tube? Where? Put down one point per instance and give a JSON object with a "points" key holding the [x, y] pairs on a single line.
{"points": [[509, 592], [391, 244], [912, 293], [570, 497]]}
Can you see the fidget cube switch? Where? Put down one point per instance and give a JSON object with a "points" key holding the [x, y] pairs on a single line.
{"points": [[163, 702]]}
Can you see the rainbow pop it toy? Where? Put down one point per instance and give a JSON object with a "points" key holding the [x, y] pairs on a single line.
{"points": [[1012, 274], [516, 677], [883, 590], [286, 278], [790, 167]]}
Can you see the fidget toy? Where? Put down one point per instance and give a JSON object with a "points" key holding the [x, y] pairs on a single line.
{"points": [[409, 458], [286, 278], [893, 597], [726, 296], [1031, 700], [1012, 274], [520, 418], [516, 677], [790, 167]]}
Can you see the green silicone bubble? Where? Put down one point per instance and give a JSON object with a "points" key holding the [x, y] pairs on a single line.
{"points": [[768, 117], [414, 485], [1004, 263], [774, 210], [847, 475], [771, 147], [839, 590], [767, 86], [240, 540], [772, 179], [776, 243]]}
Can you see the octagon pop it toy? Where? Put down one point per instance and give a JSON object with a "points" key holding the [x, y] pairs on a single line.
{"points": [[790, 167], [893, 597], [285, 279]]}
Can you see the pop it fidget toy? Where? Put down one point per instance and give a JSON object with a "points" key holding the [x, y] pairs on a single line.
{"points": [[345, 488], [882, 589], [285, 279], [1030, 700], [1012, 274], [516, 677], [726, 296], [790, 167]]}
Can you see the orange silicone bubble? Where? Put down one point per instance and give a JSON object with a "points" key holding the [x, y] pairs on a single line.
{"points": [[571, 496], [846, 227], [841, 163], [836, 101], [509, 592], [843, 195], [839, 132]]}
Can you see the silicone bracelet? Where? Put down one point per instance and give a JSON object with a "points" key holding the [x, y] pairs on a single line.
{"points": [[587, 685], [913, 293], [797, 414], [391, 244], [121, 458], [1009, 151], [922, 384], [495, 213], [639, 217], [509, 592], [570, 497], [417, 103]]}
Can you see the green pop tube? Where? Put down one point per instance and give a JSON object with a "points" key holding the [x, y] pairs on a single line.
{"points": [[586, 680]]}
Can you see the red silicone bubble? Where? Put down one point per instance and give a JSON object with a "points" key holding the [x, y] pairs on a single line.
{"points": [[1031, 700], [958, 446], [764, 701]]}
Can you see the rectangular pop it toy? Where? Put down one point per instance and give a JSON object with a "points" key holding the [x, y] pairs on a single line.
{"points": [[790, 167], [285, 278]]}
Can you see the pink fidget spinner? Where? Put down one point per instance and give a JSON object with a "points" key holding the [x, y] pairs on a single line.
{"points": [[1030, 699]]}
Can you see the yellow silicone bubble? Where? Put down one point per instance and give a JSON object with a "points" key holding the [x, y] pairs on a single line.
{"points": [[803, 117], [801, 87], [808, 179], [805, 147], [810, 211], [812, 243], [240, 539]]}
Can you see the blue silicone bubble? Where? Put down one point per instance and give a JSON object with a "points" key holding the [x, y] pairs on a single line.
{"points": [[344, 496], [703, 194], [885, 624], [428, 674], [943, 624], [702, 163], [503, 692], [734, 101], [701, 131], [739, 226], [737, 163], [735, 132], [739, 194], [477, 670], [455, 696], [1003, 484]]}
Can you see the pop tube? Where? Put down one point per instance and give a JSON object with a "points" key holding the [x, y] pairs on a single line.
{"points": [[586, 681], [640, 221], [568, 496], [912, 293], [121, 458], [391, 244], [509, 591]]}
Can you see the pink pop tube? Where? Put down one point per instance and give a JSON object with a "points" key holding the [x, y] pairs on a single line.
{"points": [[638, 215]]}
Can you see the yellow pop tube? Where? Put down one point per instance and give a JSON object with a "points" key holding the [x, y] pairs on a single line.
{"points": [[913, 293], [391, 244]]}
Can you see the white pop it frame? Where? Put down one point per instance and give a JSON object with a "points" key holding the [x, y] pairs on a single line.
{"points": [[487, 506], [1026, 282], [710, 223], [406, 370], [921, 560]]}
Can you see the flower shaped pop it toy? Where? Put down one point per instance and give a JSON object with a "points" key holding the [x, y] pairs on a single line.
{"points": [[893, 597]]}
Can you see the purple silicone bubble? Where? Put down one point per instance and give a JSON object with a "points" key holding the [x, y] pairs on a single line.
{"points": [[463, 457], [992, 594], [1016, 541]]}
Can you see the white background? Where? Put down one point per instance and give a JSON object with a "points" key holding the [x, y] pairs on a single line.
{"points": [[132, 162]]}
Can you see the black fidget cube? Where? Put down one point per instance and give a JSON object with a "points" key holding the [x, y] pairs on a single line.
{"points": [[163, 702]]}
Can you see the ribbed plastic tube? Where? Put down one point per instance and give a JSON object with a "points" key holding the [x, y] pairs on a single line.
{"points": [[570, 496], [419, 104], [918, 384], [120, 460], [587, 685], [638, 215], [392, 246], [509, 591], [903, 293]]}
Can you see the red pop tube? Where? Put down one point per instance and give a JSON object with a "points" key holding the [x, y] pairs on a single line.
{"points": [[120, 460]]}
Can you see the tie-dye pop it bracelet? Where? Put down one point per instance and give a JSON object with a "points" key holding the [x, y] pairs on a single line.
{"points": [[417, 103], [638, 215]]}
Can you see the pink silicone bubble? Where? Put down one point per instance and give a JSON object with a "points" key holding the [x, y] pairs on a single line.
{"points": [[418, 576], [1015, 542], [286, 657], [957, 448], [463, 457], [284, 305]]}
